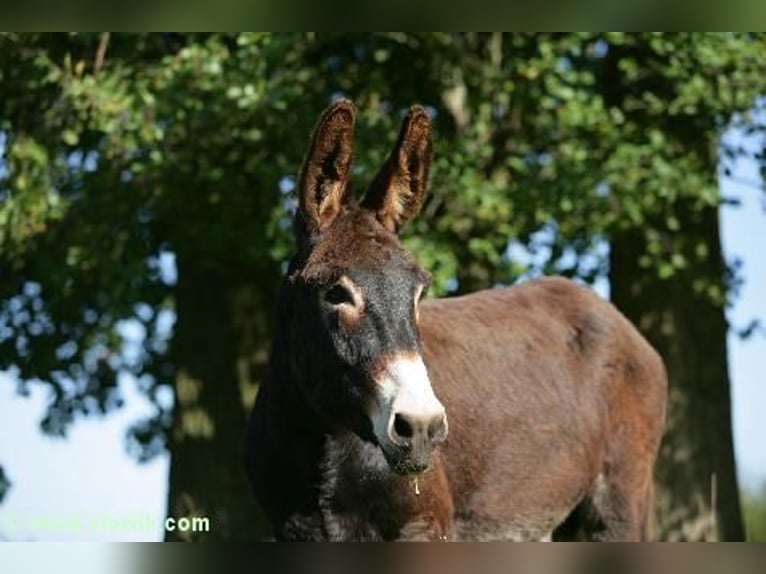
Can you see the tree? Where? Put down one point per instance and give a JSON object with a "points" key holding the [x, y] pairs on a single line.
{"points": [[679, 301], [596, 153], [120, 150]]}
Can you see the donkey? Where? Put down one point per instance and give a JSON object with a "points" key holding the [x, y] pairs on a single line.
{"points": [[491, 416]]}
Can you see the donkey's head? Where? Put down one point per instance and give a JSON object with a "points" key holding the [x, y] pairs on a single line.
{"points": [[356, 293]]}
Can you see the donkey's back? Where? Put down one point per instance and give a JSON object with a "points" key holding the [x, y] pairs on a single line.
{"points": [[555, 402]]}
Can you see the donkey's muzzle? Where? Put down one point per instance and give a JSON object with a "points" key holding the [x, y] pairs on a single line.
{"points": [[408, 420], [414, 437]]}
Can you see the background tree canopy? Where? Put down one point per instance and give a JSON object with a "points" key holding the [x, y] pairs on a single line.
{"points": [[595, 153]]}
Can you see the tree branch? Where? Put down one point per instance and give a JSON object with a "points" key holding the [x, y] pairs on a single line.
{"points": [[103, 43]]}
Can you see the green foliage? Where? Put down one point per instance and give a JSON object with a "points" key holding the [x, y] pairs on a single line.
{"points": [[189, 144], [754, 510]]}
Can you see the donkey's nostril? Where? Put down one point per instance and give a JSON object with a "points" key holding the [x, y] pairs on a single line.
{"points": [[402, 427], [407, 429]]}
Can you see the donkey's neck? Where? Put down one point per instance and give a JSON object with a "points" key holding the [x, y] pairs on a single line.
{"points": [[291, 418], [284, 387]]}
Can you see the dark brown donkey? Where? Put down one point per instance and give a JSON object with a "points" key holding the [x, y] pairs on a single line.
{"points": [[492, 416]]}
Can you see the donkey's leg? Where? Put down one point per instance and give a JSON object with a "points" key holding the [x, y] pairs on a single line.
{"points": [[618, 507]]}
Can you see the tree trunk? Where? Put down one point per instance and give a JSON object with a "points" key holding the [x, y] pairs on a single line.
{"points": [[696, 496], [219, 349]]}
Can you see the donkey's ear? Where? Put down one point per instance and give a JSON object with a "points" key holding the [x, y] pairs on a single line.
{"points": [[324, 176], [398, 192]]}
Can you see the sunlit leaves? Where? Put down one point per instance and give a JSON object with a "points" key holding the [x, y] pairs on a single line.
{"points": [[187, 144]]}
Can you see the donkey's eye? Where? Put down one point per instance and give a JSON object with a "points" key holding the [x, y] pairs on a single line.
{"points": [[337, 295]]}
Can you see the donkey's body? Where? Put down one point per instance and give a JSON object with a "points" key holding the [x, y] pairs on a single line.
{"points": [[554, 400]]}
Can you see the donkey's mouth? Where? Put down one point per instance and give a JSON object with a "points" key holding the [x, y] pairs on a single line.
{"points": [[405, 463], [410, 468]]}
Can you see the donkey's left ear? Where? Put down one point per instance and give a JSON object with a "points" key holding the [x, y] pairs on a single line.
{"points": [[323, 182], [398, 192]]}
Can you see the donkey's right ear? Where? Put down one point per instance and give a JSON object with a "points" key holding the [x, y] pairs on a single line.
{"points": [[398, 192], [324, 176]]}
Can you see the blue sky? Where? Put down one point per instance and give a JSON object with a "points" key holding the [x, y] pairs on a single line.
{"points": [[87, 488], [743, 234], [83, 488]]}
